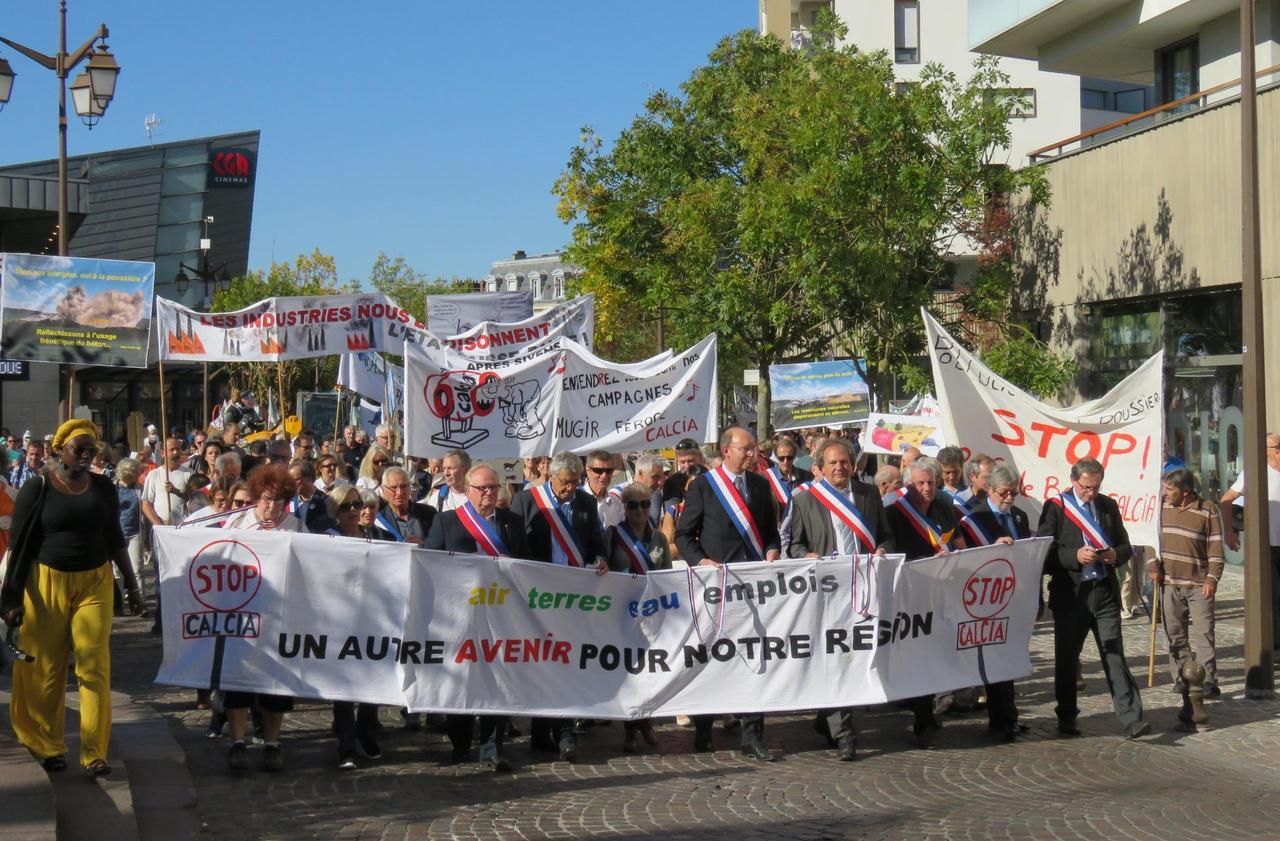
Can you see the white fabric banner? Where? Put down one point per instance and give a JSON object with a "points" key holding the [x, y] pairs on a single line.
{"points": [[569, 400], [574, 319], [1124, 430], [449, 315], [287, 328], [506, 636]]}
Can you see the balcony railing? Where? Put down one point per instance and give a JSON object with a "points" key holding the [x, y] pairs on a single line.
{"points": [[1145, 119]]}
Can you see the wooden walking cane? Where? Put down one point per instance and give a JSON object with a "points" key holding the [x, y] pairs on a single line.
{"points": [[1156, 598]]}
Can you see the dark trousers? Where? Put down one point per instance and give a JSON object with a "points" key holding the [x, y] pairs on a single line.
{"points": [[1275, 598], [1002, 710], [752, 728], [555, 731], [461, 729], [352, 721], [1096, 609]]}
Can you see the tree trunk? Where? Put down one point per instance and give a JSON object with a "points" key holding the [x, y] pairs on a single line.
{"points": [[763, 399]]}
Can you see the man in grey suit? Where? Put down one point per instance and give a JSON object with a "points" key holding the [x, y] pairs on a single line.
{"points": [[817, 531]]}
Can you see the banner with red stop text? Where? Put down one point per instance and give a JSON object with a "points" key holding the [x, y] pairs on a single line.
{"points": [[1124, 430], [342, 619]]}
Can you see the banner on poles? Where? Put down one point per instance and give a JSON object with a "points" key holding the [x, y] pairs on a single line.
{"points": [[567, 400], [491, 340], [895, 434], [370, 375], [829, 393], [76, 310], [339, 619], [1123, 429], [449, 315], [299, 327]]}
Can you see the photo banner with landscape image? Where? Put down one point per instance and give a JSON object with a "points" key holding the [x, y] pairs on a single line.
{"points": [[829, 393], [895, 434], [313, 616], [449, 315], [76, 310], [1123, 429]]}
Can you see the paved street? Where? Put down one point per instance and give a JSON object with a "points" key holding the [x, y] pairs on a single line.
{"points": [[1221, 781]]}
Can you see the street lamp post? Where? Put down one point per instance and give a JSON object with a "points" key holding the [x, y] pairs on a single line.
{"points": [[214, 279], [91, 91]]}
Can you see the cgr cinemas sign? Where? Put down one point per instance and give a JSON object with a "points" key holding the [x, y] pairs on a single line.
{"points": [[231, 167]]}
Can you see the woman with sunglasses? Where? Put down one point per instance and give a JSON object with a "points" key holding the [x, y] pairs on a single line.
{"points": [[375, 462], [355, 725], [635, 546], [58, 587], [270, 487], [326, 473]]}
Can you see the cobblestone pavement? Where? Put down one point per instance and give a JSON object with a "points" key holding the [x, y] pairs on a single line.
{"points": [[1222, 780]]}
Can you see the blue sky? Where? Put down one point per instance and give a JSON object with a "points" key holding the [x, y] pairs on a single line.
{"points": [[428, 130]]}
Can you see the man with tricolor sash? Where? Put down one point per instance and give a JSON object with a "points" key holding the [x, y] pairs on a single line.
{"points": [[924, 524], [563, 526], [399, 518], [839, 516], [728, 517], [1089, 542], [478, 526]]}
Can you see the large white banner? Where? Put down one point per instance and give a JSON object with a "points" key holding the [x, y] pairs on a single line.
{"points": [[490, 340], [449, 315], [983, 413], [370, 375], [320, 617], [569, 400], [287, 328]]}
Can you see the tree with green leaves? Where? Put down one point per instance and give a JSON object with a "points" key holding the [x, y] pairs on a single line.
{"points": [[409, 288], [799, 203]]}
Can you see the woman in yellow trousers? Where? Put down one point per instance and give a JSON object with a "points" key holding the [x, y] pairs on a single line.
{"points": [[58, 587]]}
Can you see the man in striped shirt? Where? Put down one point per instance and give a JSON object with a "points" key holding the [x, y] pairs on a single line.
{"points": [[1191, 564]]}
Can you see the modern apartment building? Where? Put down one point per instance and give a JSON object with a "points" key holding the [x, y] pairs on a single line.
{"points": [[1140, 250]]}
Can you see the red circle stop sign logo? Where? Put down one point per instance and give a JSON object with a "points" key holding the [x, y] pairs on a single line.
{"points": [[225, 575], [990, 589]]}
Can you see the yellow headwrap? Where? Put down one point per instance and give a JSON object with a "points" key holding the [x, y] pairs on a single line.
{"points": [[72, 429]]}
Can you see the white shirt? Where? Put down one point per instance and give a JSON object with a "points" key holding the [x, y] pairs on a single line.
{"points": [[452, 500], [609, 509], [169, 507], [845, 542], [249, 520], [1273, 494]]}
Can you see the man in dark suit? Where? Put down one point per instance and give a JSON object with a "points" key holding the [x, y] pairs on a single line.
{"points": [[924, 524], [1000, 521], [450, 533], [560, 497], [818, 532], [786, 474], [399, 518], [707, 535], [1085, 596], [309, 504]]}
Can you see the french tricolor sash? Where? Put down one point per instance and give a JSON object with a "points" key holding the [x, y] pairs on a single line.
{"points": [[977, 536], [1078, 514], [616, 491], [641, 562], [294, 506], [845, 511], [559, 525], [736, 507], [802, 487], [389, 527], [928, 529], [481, 530], [781, 489]]}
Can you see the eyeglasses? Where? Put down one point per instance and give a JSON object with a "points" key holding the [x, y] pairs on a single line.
{"points": [[395, 488], [351, 506], [242, 500], [486, 489], [785, 458], [600, 471], [1002, 493], [633, 504], [328, 465], [269, 499]]}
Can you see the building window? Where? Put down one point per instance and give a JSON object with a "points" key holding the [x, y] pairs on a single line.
{"points": [[1021, 101], [1090, 98], [1178, 71], [906, 31]]}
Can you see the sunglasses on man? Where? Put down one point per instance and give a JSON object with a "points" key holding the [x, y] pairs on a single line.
{"points": [[633, 504]]}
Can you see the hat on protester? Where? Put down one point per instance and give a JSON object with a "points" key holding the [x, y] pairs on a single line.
{"points": [[26, 435], [48, 436], [73, 428], [688, 444], [151, 427]]}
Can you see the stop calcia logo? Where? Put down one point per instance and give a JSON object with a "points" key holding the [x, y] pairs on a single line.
{"points": [[224, 577], [987, 593]]}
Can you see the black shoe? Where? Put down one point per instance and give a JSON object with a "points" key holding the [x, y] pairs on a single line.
{"points": [[272, 759], [544, 744], [1068, 728], [238, 757], [369, 747], [97, 768], [1212, 692], [346, 762], [823, 729], [926, 732], [499, 764], [54, 763], [702, 744], [848, 750], [757, 751], [569, 750], [631, 742], [1137, 729], [1010, 733], [457, 756]]}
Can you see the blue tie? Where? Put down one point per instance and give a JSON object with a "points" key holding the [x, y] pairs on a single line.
{"points": [[1010, 525]]}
